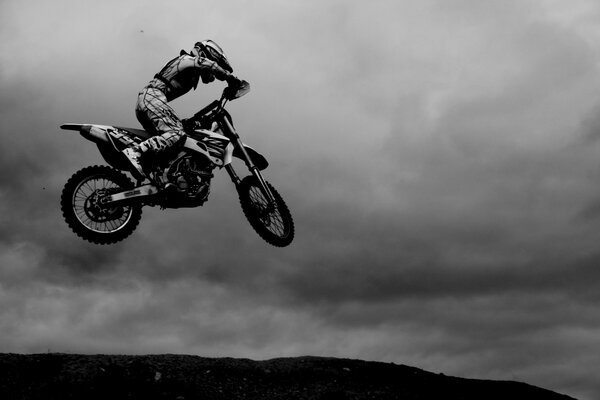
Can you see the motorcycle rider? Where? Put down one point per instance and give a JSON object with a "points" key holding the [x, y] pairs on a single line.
{"points": [[205, 61]]}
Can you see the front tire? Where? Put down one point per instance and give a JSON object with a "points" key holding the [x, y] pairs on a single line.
{"points": [[84, 213], [272, 223]]}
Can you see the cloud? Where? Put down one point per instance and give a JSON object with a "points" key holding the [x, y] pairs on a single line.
{"points": [[439, 159]]}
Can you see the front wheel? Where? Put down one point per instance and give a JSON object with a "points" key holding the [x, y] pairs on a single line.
{"points": [[272, 222], [83, 209]]}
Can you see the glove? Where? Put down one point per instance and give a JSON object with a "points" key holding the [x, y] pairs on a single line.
{"points": [[232, 80], [230, 92]]}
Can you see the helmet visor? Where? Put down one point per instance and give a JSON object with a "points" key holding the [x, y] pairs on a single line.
{"points": [[214, 52]]}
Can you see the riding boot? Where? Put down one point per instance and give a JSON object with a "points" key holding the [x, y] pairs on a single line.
{"points": [[133, 156]]}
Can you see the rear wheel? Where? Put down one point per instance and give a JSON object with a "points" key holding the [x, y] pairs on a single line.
{"points": [[272, 222], [82, 208]]}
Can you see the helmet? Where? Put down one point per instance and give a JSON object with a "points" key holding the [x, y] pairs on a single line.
{"points": [[212, 51]]}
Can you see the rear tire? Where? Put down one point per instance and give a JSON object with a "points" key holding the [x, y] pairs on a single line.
{"points": [[275, 226], [87, 217]]}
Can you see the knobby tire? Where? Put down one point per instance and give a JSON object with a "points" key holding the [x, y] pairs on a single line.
{"points": [[276, 227], [81, 219]]}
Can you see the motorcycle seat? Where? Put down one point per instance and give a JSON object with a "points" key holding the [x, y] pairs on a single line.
{"points": [[137, 132]]}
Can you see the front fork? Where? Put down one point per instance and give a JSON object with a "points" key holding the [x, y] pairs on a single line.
{"points": [[234, 137]]}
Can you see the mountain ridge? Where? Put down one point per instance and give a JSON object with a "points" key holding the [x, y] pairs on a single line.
{"points": [[189, 377]]}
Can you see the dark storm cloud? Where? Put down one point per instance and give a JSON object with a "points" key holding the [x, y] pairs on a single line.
{"points": [[19, 106], [31, 160]]}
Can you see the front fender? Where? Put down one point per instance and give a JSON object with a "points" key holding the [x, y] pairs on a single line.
{"points": [[257, 159]]}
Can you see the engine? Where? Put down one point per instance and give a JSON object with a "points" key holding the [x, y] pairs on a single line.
{"points": [[191, 178]]}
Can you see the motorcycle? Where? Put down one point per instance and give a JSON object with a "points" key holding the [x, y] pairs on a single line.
{"points": [[102, 205]]}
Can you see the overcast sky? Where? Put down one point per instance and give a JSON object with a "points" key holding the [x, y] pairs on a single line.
{"points": [[441, 159]]}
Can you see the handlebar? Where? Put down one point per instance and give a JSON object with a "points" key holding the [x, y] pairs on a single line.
{"points": [[242, 88]]}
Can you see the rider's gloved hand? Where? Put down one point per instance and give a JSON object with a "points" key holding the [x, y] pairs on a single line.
{"points": [[229, 92], [234, 84], [233, 80]]}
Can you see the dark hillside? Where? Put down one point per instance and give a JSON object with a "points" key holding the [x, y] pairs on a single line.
{"points": [[182, 377]]}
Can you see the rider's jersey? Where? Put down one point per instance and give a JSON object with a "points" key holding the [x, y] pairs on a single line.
{"points": [[181, 74]]}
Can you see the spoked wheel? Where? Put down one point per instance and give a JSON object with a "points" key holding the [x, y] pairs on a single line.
{"points": [[83, 209], [273, 222]]}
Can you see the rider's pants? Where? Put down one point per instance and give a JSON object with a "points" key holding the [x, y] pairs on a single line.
{"points": [[158, 118]]}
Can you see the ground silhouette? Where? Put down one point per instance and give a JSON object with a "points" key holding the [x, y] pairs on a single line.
{"points": [[183, 377]]}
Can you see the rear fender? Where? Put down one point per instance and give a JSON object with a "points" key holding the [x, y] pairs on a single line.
{"points": [[110, 141], [94, 133]]}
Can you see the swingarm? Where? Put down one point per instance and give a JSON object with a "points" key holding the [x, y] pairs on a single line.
{"points": [[131, 195]]}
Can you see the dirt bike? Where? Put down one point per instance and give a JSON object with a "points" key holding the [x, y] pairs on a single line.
{"points": [[102, 205]]}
